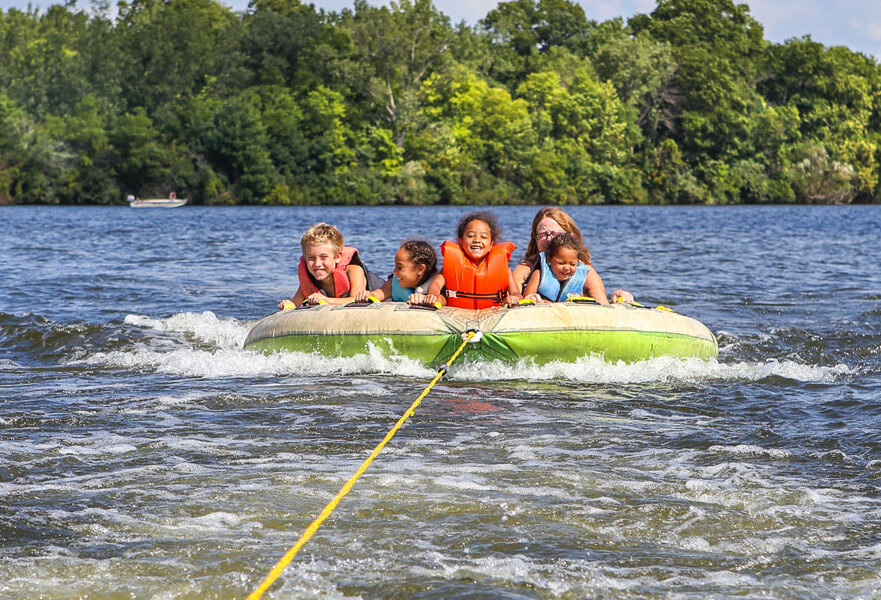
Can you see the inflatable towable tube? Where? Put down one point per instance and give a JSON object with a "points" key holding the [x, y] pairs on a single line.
{"points": [[542, 333]]}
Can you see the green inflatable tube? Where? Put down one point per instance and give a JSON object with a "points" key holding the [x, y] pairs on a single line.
{"points": [[539, 333]]}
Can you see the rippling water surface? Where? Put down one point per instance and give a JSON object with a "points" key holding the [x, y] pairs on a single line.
{"points": [[144, 454]]}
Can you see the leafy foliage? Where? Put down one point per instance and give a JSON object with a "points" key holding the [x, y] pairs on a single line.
{"points": [[288, 104]]}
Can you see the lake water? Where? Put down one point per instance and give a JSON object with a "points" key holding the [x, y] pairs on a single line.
{"points": [[144, 454]]}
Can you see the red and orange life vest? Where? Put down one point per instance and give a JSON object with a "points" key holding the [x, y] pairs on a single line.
{"points": [[341, 284], [472, 286]]}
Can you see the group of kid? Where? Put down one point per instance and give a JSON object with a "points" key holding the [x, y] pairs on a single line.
{"points": [[475, 272]]}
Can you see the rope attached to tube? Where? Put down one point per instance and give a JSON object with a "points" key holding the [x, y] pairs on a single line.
{"points": [[313, 527]]}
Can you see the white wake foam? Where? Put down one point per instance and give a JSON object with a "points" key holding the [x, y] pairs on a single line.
{"points": [[212, 347], [204, 327], [663, 369]]}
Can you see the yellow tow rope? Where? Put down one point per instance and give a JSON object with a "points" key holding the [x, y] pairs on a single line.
{"points": [[313, 527]]}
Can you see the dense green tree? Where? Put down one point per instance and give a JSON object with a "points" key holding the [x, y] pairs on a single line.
{"points": [[33, 165], [145, 165], [715, 45], [12, 121], [43, 68], [287, 103], [172, 49], [522, 30], [237, 145], [282, 45], [643, 72], [400, 45], [582, 128], [83, 133], [474, 139], [834, 92]]}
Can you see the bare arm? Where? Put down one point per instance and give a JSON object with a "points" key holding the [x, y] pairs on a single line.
{"points": [[380, 293], [357, 285], [513, 291], [432, 295], [531, 291], [593, 287], [319, 298], [622, 296], [357, 279], [520, 274], [297, 300]]}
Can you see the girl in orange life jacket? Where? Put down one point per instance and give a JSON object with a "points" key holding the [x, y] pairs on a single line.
{"points": [[328, 270], [475, 272], [415, 266]]}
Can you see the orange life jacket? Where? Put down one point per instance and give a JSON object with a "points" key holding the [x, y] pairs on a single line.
{"points": [[341, 283], [470, 286]]}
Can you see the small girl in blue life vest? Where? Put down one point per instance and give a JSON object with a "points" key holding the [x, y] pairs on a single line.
{"points": [[415, 267], [563, 270]]}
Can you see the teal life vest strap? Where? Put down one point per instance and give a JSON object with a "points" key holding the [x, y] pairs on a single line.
{"points": [[402, 294]]}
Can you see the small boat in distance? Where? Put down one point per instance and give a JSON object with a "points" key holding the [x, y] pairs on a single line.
{"points": [[171, 202]]}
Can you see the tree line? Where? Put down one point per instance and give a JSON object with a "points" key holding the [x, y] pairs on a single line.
{"points": [[284, 103]]}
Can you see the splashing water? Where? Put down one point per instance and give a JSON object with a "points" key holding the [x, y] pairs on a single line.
{"points": [[144, 453]]}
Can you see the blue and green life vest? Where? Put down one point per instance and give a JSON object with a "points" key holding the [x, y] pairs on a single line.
{"points": [[402, 294], [551, 288]]}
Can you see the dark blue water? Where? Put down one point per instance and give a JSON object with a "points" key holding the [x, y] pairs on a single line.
{"points": [[143, 454]]}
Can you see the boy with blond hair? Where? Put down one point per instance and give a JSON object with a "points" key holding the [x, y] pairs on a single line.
{"points": [[328, 268]]}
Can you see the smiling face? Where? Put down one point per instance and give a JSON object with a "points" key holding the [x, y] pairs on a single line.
{"points": [[563, 263], [476, 240], [408, 273], [546, 229], [321, 259]]}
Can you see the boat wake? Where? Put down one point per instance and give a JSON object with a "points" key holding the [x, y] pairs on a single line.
{"points": [[664, 369], [209, 346], [204, 345]]}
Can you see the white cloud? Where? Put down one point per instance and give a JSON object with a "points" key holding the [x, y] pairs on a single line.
{"points": [[852, 23], [468, 10], [603, 10], [781, 20], [873, 30]]}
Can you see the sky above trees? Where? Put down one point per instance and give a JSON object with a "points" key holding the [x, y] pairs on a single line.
{"points": [[852, 23]]}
